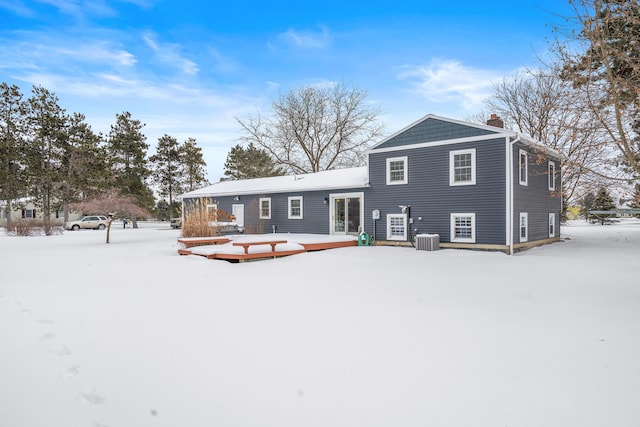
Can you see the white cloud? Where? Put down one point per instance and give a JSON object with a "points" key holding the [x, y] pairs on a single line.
{"points": [[445, 81], [17, 7], [307, 39], [169, 54]]}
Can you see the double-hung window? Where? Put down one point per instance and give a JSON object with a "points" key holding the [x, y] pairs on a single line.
{"points": [[397, 171], [523, 169], [265, 208], [462, 167], [463, 227], [552, 175], [212, 212], [396, 227], [524, 226], [295, 207]]}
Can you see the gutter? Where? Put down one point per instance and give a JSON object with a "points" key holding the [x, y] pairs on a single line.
{"points": [[510, 192]]}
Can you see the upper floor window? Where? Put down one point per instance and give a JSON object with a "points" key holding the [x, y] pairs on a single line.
{"points": [[295, 207], [463, 227], [265, 208], [523, 168], [397, 171], [552, 175], [462, 167], [397, 227]]}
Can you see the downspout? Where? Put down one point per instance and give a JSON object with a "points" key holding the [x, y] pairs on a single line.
{"points": [[510, 191]]}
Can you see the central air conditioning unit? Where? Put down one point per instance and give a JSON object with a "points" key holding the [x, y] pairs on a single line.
{"points": [[427, 242]]}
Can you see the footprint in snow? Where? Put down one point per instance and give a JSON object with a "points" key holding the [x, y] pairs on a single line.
{"points": [[71, 371], [60, 350], [48, 336], [92, 398]]}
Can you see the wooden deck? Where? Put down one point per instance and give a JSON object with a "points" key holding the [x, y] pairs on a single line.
{"points": [[246, 248]]}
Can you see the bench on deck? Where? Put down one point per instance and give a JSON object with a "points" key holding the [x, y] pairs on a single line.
{"points": [[256, 255], [191, 242], [246, 245]]}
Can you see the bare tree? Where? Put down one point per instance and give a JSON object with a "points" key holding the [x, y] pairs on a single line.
{"points": [[602, 60], [314, 129], [544, 106], [112, 203]]}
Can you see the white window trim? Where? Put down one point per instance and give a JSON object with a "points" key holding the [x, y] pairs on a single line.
{"points": [[291, 216], [403, 159], [473, 228], [404, 219], [523, 216], [452, 171], [552, 225], [551, 170], [526, 167], [264, 199], [212, 212]]}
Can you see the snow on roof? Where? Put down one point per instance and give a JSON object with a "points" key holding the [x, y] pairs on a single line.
{"points": [[324, 180]]}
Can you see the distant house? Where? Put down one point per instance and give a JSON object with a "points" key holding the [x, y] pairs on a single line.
{"points": [[477, 186], [26, 209]]}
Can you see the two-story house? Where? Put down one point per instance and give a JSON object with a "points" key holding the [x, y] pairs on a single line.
{"points": [[477, 186]]}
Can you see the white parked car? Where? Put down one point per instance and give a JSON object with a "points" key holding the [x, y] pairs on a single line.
{"points": [[98, 222]]}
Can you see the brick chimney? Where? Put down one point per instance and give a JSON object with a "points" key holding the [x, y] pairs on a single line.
{"points": [[495, 121]]}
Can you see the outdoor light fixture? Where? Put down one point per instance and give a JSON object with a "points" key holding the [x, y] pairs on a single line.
{"points": [[236, 198], [326, 200]]}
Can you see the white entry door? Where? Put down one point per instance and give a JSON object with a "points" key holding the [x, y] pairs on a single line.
{"points": [[238, 212]]}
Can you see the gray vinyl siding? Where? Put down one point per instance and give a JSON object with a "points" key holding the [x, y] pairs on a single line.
{"points": [[535, 198], [315, 212], [431, 130], [432, 198]]}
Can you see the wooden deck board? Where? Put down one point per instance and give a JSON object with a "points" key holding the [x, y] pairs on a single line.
{"points": [[260, 255]]}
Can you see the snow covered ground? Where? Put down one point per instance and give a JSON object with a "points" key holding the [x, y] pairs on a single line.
{"points": [[131, 334]]}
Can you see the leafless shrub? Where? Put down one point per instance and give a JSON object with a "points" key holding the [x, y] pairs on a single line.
{"points": [[34, 227]]}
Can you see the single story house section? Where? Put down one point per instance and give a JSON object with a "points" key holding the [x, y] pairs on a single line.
{"points": [[476, 186]]}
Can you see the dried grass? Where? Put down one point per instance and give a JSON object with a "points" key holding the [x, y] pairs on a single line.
{"points": [[198, 217]]}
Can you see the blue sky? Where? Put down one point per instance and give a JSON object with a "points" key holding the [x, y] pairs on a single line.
{"points": [[189, 68]]}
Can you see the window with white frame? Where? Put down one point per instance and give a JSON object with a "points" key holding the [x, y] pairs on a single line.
{"points": [[212, 212], [552, 175], [265, 208], [524, 226], [463, 227], [397, 172], [552, 225], [523, 168], [28, 213], [396, 227], [462, 167], [295, 207]]}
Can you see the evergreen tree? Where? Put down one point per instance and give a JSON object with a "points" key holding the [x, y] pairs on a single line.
{"points": [[13, 125], [168, 170], [84, 166], [251, 162], [603, 202], [127, 153], [635, 202], [586, 203], [45, 150], [194, 165]]}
